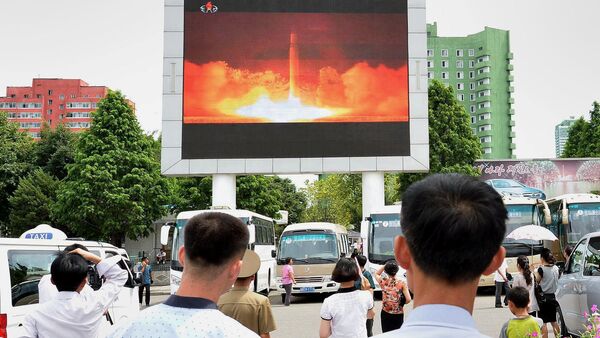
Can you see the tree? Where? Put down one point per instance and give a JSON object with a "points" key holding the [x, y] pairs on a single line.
{"points": [[16, 160], [32, 201], [453, 147], [190, 193], [55, 150], [255, 193], [584, 136], [289, 198], [336, 199], [114, 187]]}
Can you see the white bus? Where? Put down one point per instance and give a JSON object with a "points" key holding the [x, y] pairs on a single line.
{"points": [[315, 249], [378, 232], [262, 241], [571, 217], [521, 211]]}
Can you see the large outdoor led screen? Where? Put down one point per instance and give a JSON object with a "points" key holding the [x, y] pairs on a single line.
{"points": [[295, 79]]}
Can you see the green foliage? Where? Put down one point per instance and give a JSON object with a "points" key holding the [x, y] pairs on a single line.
{"points": [[16, 158], [32, 201], [453, 148], [190, 194], [290, 199], [584, 136], [114, 188], [336, 199], [55, 150]]}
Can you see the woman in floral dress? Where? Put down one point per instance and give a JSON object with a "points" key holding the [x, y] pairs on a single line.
{"points": [[392, 289]]}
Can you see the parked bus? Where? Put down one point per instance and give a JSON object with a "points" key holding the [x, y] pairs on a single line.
{"points": [[571, 217], [521, 211], [315, 249], [378, 232], [262, 241]]}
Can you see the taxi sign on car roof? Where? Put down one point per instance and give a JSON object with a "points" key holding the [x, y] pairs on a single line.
{"points": [[44, 232]]}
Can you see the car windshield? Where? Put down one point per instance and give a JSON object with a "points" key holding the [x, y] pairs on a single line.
{"points": [[306, 247], [519, 215], [583, 218], [507, 184], [384, 228]]}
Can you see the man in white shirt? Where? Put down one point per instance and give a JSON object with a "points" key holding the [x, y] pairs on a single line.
{"points": [[452, 229], [214, 244], [501, 281], [70, 313], [48, 291]]}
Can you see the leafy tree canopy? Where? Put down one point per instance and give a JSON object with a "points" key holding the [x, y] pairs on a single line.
{"points": [[584, 136], [114, 187], [55, 150], [336, 199]]}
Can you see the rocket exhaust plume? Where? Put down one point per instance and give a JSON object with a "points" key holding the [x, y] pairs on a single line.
{"points": [[294, 64]]}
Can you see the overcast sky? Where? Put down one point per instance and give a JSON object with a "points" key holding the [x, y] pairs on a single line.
{"points": [[118, 43]]}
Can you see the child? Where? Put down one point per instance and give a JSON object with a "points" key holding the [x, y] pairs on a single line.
{"points": [[523, 325]]}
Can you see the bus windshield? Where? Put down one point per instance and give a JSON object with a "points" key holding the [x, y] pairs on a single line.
{"points": [[519, 215], [584, 218], [308, 248], [383, 229]]}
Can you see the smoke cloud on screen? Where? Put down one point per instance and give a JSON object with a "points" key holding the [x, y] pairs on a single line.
{"points": [[217, 93]]}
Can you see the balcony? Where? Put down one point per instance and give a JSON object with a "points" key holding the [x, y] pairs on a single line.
{"points": [[511, 100], [511, 89], [513, 146], [510, 68], [512, 123], [511, 78], [509, 56], [511, 111], [513, 134]]}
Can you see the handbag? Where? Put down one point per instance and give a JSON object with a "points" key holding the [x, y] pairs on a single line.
{"points": [[509, 276], [537, 289]]}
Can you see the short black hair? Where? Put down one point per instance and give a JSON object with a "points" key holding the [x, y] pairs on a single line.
{"points": [[391, 268], [144, 258], [75, 246], [345, 271], [213, 239], [288, 260], [519, 296], [68, 271], [362, 260], [450, 221]]}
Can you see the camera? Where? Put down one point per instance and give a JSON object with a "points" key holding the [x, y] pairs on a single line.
{"points": [[94, 279]]}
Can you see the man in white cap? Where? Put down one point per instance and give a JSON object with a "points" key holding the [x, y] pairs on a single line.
{"points": [[249, 308]]}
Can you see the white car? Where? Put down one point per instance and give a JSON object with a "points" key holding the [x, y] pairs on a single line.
{"points": [[23, 262], [579, 286]]}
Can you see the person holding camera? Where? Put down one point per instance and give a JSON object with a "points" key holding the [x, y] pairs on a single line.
{"points": [[395, 295], [146, 279], [72, 313]]}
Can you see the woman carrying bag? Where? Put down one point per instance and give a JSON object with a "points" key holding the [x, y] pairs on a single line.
{"points": [[524, 278], [395, 295], [547, 277]]}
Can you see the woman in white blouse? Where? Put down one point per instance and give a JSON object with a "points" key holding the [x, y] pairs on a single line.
{"points": [[524, 278]]}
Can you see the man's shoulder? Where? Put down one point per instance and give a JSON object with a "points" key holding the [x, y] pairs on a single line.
{"points": [[425, 331]]}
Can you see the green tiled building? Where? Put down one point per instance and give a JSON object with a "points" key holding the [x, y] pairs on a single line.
{"points": [[478, 67]]}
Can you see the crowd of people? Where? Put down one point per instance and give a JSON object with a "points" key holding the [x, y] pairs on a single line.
{"points": [[438, 210]]}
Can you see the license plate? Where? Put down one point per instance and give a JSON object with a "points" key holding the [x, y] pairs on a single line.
{"points": [[307, 289]]}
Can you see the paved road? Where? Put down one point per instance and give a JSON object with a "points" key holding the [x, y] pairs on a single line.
{"points": [[301, 319]]}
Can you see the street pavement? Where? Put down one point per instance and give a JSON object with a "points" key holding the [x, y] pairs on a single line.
{"points": [[302, 319]]}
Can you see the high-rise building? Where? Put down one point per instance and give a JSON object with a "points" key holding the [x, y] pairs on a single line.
{"points": [[52, 101], [561, 135], [478, 67]]}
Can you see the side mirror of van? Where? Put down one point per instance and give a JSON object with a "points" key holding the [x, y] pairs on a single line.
{"points": [[547, 217], [252, 231], [164, 234]]}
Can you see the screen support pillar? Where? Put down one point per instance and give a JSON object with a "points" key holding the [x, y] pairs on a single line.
{"points": [[373, 196], [223, 191]]}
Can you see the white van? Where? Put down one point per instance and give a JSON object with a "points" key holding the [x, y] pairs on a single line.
{"points": [[23, 261]]}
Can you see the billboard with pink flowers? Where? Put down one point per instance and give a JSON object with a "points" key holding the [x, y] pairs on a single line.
{"points": [[551, 176]]}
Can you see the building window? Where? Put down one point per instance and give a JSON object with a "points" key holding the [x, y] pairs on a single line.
{"points": [[472, 109], [49, 102], [460, 86], [429, 52], [73, 96], [472, 85], [471, 52], [485, 116], [78, 124], [72, 105], [471, 74], [62, 97], [485, 139], [487, 150], [78, 115], [486, 92], [8, 105], [471, 63], [484, 58], [94, 104], [484, 81], [444, 53], [483, 70], [444, 75], [460, 64], [27, 125], [13, 95], [444, 64], [473, 120], [459, 53], [486, 104], [430, 75], [485, 127], [460, 97], [98, 95], [472, 97], [49, 91], [39, 96], [460, 75], [61, 106], [49, 111], [26, 96], [429, 64]]}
